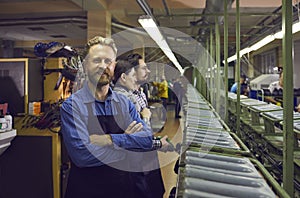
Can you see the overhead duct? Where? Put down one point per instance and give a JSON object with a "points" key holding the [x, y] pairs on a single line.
{"points": [[145, 7], [208, 18]]}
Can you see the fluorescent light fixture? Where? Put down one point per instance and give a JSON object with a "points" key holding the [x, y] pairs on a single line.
{"points": [[278, 35], [296, 27], [231, 58], [151, 28], [268, 39]]}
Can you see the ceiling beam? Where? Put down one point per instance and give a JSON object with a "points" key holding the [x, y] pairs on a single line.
{"points": [[91, 4], [206, 26], [38, 7], [252, 14]]}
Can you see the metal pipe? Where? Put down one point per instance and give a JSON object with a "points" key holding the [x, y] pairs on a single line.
{"points": [[288, 130], [145, 7], [211, 64], [254, 14], [166, 7], [238, 107], [225, 59], [218, 64]]}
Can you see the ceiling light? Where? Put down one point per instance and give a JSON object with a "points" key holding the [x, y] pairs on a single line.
{"points": [[152, 29], [268, 39], [296, 27]]}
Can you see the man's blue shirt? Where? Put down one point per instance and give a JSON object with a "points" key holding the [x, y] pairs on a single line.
{"points": [[74, 119]]}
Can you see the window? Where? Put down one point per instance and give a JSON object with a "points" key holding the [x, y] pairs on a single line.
{"points": [[265, 62]]}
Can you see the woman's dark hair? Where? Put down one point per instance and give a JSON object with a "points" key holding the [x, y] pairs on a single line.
{"points": [[122, 66], [243, 76], [134, 59]]}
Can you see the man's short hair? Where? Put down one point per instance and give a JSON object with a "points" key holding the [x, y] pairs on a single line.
{"points": [[102, 41], [122, 66], [134, 59]]}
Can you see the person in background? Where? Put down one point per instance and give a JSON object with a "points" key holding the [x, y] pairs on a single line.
{"points": [[99, 127], [125, 82], [244, 86], [142, 74], [277, 85], [179, 93], [163, 94], [146, 89], [170, 90], [297, 108], [154, 186]]}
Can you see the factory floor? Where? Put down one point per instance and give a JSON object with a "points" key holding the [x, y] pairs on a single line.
{"points": [[173, 129]]}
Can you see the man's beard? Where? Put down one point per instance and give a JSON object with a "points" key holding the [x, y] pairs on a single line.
{"points": [[143, 81], [104, 79], [102, 83]]}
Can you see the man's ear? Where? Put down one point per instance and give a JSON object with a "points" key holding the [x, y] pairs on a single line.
{"points": [[123, 77]]}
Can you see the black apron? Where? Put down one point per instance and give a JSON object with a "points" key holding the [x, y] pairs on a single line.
{"points": [[103, 181], [148, 184]]}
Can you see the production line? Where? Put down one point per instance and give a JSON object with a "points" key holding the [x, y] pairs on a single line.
{"points": [[214, 161], [261, 130]]}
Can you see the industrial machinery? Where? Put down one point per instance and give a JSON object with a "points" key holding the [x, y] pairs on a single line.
{"points": [[262, 131], [261, 82], [214, 161]]}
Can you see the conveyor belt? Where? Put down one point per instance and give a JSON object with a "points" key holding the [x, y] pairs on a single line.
{"points": [[208, 123], [214, 162], [200, 112], [214, 175], [252, 102], [219, 138], [278, 115], [198, 106], [268, 107]]}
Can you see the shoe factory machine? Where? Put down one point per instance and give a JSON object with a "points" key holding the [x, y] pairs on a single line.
{"points": [[214, 161], [261, 130]]}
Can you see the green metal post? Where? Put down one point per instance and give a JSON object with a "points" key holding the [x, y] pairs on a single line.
{"points": [[288, 136], [211, 65], [194, 76], [225, 59], [238, 107], [218, 63], [205, 72], [199, 75]]}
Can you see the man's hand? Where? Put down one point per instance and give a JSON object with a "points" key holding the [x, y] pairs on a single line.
{"points": [[134, 127], [298, 108], [101, 140], [167, 146], [146, 113], [164, 142]]}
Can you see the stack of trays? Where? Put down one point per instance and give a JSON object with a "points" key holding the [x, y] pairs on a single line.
{"points": [[212, 175], [209, 137], [204, 122]]}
